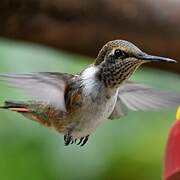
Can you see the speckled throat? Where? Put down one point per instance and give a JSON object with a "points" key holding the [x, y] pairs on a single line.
{"points": [[113, 73]]}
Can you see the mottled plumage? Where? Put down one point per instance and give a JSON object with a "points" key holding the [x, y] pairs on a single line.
{"points": [[76, 104]]}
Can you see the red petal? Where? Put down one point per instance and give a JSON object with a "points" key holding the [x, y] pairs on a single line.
{"points": [[172, 154]]}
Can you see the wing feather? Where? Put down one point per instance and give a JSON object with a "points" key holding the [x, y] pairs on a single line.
{"points": [[45, 87], [138, 97]]}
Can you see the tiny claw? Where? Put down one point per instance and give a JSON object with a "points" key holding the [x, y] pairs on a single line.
{"points": [[67, 139], [80, 141], [85, 140], [66, 143]]}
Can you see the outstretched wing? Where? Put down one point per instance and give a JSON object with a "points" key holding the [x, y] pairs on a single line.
{"points": [[45, 87], [137, 97]]}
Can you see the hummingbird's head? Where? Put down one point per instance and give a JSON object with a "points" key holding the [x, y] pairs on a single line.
{"points": [[118, 59]]}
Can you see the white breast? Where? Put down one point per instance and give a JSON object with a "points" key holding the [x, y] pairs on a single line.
{"points": [[98, 102], [89, 80]]}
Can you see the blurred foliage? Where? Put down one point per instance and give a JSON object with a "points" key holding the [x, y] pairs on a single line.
{"points": [[130, 148]]}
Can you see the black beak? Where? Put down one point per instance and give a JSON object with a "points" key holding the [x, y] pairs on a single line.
{"points": [[147, 57]]}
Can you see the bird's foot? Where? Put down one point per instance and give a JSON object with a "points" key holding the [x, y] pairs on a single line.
{"points": [[83, 140], [68, 139]]}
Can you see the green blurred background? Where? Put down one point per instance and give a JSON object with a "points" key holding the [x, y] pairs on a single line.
{"points": [[130, 148]]}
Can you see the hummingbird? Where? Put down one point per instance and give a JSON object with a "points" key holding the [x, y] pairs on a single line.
{"points": [[75, 105]]}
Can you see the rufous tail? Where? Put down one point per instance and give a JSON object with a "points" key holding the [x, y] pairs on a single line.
{"points": [[26, 110], [15, 106]]}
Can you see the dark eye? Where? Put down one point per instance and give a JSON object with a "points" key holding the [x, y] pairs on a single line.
{"points": [[120, 54]]}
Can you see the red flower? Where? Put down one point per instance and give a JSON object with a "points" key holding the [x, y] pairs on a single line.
{"points": [[172, 154]]}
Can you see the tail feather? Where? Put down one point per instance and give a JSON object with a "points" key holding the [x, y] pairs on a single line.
{"points": [[25, 108], [15, 106]]}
